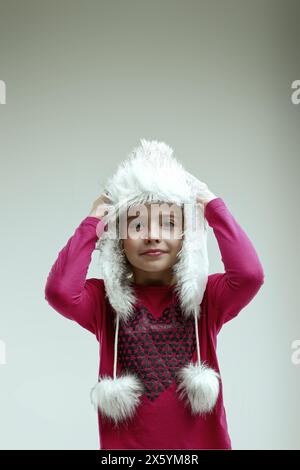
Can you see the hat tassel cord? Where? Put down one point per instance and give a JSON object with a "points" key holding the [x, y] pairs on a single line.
{"points": [[117, 397], [198, 383]]}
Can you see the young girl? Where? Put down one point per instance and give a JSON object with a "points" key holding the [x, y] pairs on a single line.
{"points": [[155, 311]]}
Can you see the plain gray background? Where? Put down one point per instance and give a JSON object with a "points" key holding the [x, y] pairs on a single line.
{"points": [[85, 81]]}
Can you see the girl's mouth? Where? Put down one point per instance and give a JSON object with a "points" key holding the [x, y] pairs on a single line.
{"points": [[153, 253]]}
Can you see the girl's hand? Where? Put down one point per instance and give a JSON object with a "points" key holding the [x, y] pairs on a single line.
{"points": [[203, 194], [102, 206]]}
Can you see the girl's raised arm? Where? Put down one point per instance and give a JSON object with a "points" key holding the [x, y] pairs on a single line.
{"points": [[67, 290], [231, 291]]}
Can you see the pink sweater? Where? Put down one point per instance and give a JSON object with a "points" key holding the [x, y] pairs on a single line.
{"points": [[161, 421]]}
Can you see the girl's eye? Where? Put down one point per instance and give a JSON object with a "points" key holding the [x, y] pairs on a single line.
{"points": [[168, 222], [138, 224]]}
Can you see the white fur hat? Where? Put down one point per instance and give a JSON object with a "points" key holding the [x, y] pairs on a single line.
{"points": [[152, 174]]}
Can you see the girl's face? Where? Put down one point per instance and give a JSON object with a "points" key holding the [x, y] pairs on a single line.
{"points": [[159, 230]]}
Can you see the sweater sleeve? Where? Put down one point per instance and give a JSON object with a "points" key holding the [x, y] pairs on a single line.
{"points": [[229, 292], [67, 290]]}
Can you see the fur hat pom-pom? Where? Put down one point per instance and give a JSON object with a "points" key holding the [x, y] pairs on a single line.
{"points": [[199, 385], [117, 398]]}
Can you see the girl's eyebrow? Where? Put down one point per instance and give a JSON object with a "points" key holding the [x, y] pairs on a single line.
{"points": [[164, 215]]}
